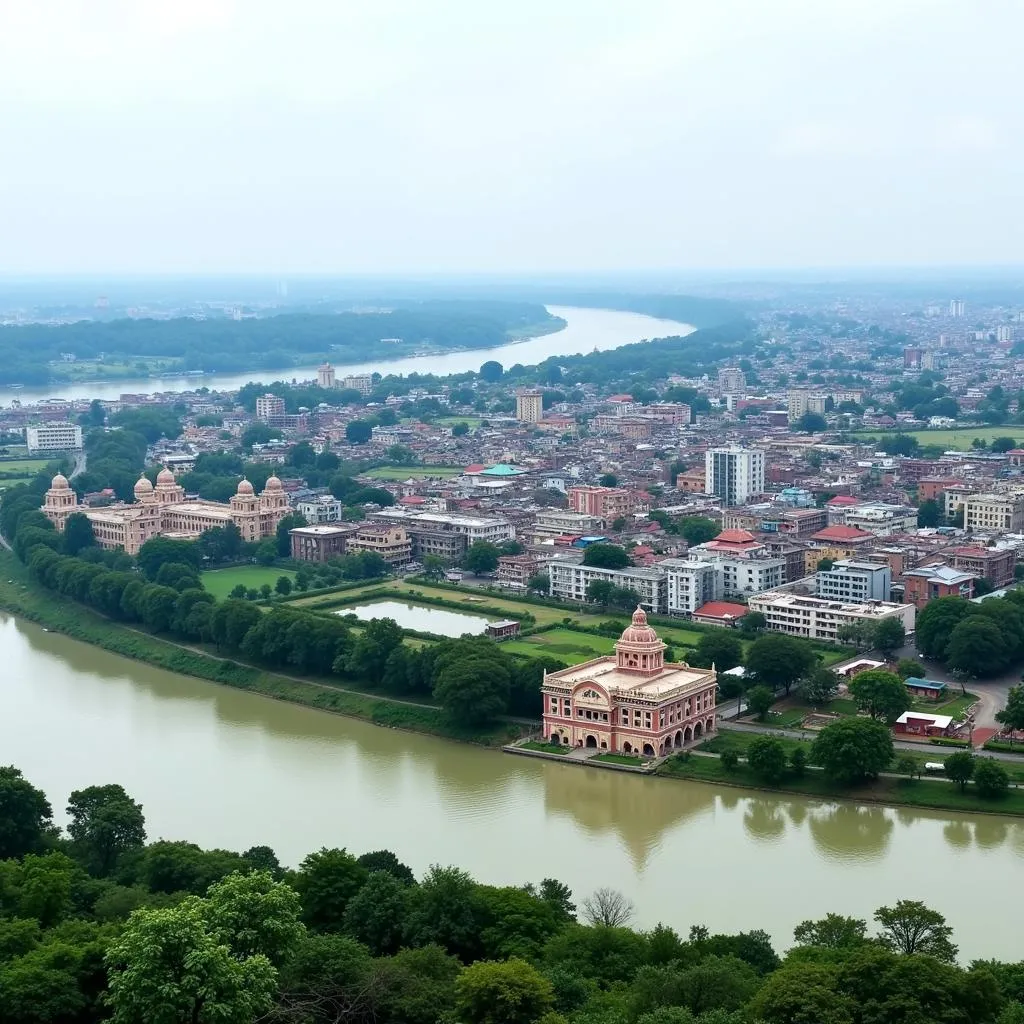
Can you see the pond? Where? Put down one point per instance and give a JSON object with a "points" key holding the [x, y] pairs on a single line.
{"points": [[416, 616]]}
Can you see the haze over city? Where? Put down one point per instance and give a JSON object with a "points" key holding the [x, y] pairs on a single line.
{"points": [[211, 136]]}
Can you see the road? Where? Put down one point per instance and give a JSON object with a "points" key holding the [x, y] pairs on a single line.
{"points": [[80, 460]]}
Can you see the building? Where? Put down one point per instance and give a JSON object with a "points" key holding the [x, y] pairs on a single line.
{"points": [[473, 528], [734, 474], [53, 437], [924, 724], [515, 571], [320, 543], [164, 511], [1002, 512], [818, 618], [742, 564], [529, 405], [505, 629], [802, 400], [607, 503], [325, 376], [630, 702], [361, 382], [857, 582], [931, 581], [569, 582], [732, 381], [557, 522], [324, 509], [882, 519], [691, 583], [930, 689], [720, 613], [956, 308], [390, 542], [269, 407], [996, 565]]}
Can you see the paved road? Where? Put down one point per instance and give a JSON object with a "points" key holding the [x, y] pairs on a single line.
{"points": [[80, 460]]}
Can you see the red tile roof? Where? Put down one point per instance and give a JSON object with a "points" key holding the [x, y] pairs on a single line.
{"points": [[840, 533], [843, 499], [736, 537], [722, 610]]}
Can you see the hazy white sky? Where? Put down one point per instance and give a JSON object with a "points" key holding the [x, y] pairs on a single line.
{"points": [[447, 135]]}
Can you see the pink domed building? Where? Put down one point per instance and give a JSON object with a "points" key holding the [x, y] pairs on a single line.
{"points": [[632, 702]]}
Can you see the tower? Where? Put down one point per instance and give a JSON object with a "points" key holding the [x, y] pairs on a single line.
{"points": [[735, 474], [529, 405], [639, 649], [325, 376], [60, 502]]}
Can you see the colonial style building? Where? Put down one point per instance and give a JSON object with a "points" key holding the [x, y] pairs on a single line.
{"points": [[630, 702], [164, 511]]}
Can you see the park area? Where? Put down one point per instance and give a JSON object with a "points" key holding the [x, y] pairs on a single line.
{"points": [[220, 582], [412, 472], [19, 471], [958, 438]]}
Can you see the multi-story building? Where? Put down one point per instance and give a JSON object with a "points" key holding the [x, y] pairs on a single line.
{"points": [[515, 571], [164, 511], [742, 563], [996, 565], [818, 618], [325, 376], [1002, 512], [735, 474], [320, 543], [53, 437], [390, 542], [529, 405], [803, 400], [361, 382], [473, 528], [569, 582], [795, 523], [269, 407], [732, 381], [933, 581], [556, 522], [953, 498], [325, 509], [849, 581], [630, 702], [882, 519], [690, 584], [606, 503]]}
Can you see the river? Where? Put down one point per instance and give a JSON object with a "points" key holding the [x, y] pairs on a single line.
{"points": [[586, 330], [232, 769]]}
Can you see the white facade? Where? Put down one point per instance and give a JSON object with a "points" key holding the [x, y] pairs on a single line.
{"points": [[881, 519], [569, 582], [690, 584], [321, 510], [734, 474], [855, 582], [361, 382], [473, 528], [732, 381], [820, 619], [1003, 512], [53, 437], [268, 406]]}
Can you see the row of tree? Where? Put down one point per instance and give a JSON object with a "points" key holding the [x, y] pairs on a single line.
{"points": [[97, 924], [976, 639]]}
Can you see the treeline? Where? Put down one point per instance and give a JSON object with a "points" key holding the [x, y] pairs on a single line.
{"points": [[982, 639], [97, 924], [265, 343], [471, 678]]}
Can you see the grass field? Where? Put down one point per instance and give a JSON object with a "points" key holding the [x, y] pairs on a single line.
{"points": [[449, 421], [412, 472], [24, 467], [220, 582], [958, 438], [563, 644]]}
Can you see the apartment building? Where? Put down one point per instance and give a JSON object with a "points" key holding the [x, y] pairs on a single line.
{"points": [[515, 571], [390, 542], [996, 565], [818, 618], [569, 582], [269, 407], [855, 582], [802, 400], [320, 543], [882, 519], [732, 381], [735, 474], [361, 382], [934, 581], [53, 437], [321, 510], [1002, 512], [490, 528], [606, 503], [690, 584], [529, 405], [557, 522]]}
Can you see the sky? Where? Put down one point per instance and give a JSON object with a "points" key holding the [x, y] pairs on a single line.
{"points": [[446, 136]]}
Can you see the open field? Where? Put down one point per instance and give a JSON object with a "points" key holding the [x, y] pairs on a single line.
{"points": [[958, 438], [412, 472], [449, 421], [24, 467], [220, 582], [13, 481], [564, 644]]}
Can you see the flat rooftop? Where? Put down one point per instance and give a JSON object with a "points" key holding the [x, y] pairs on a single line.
{"points": [[620, 682]]}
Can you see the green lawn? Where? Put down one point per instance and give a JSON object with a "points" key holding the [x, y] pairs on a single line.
{"points": [[24, 467], [633, 762], [14, 481], [546, 748], [450, 421], [959, 438], [220, 582], [564, 644], [412, 472]]}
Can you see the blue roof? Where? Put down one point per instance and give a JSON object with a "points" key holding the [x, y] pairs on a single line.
{"points": [[924, 684], [501, 469]]}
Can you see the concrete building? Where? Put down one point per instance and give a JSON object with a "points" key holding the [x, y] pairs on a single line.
{"points": [[325, 509], [53, 437], [320, 543], [606, 503], [882, 519], [933, 581], [269, 407], [850, 581], [325, 376], [473, 528], [515, 571], [630, 702], [569, 582], [732, 381], [390, 542], [691, 583], [556, 522], [996, 565], [999, 512], [361, 382], [742, 564], [735, 474], [818, 618], [529, 405], [803, 400]]}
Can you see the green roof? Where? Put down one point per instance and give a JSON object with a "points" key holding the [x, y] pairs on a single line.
{"points": [[502, 470]]}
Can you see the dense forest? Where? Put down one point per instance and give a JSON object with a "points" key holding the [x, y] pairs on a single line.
{"points": [[97, 923], [26, 351]]}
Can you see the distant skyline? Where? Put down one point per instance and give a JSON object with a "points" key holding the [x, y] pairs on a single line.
{"points": [[394, 137]]}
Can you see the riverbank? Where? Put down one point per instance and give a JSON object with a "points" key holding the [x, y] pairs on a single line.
{"points": [[20, 596]]}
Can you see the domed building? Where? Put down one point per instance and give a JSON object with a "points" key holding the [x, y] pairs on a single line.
{"points": [[164, 511], [632, 702]]}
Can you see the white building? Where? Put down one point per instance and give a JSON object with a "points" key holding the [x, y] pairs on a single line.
{"points": [[735, 474], [690, 584], [569, 582], [1004, 512], [321, 510], [325, 376], [855, 582], [473, 528], [802, 400], [818, 618], [361, 382], [53, 437], [269, 406], [732, 381], [529, 405], [882, 519]]}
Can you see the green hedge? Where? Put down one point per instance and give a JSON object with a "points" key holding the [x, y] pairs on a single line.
{"points": [[1003, 747], [946, 741]]}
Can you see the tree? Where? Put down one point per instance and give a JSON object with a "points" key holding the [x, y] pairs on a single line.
{"points": [[539, 583], [473, 691], [444, 909], [722, 648], [481, 557], [753, 622], [78, 534], [881, 694], [978, 647], [935, 622], [811, 423], [26, 817], [104, 824], [959, 767], [819, 687], [600, 592], [385, 860], [283, 533], [492, 371], [778, 660], [798, 761], [910, 927], [1011, 718], [825, 564], [697, 529], [929, 514], [990, 778], [889, 635], [460, 430], [358, 431], [833, 931], [607, 907], [326, 881], [283, 586], [433, 566], [502, 992], [759, 700], [906, 765], [853, 750], [606, 556], [730, 760], [766, 757], [376, 913], [158, 550], [908, 668]]}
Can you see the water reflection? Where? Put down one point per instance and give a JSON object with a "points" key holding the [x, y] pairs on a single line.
{"points": [[418, 617], [764, 819], [848, 831]]}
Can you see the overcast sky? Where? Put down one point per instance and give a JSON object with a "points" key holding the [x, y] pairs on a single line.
{"points": [[525, 135]]}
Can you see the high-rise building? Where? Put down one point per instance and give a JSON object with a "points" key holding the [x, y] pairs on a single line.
{"points": [[732, 381], [735, 474], [325, 375], [361, 382], [53, 437], [803, 400], [268, 406], [529, 405], [956, 307]]}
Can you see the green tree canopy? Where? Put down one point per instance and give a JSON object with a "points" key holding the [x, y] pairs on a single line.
{"points": [[881, 694], [778, 660], [104, 823], [853, 749], [606, 556]]}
